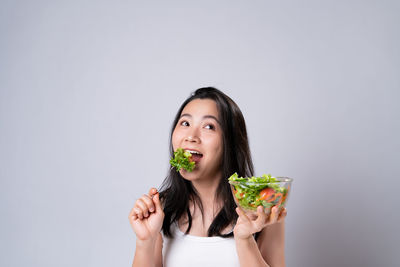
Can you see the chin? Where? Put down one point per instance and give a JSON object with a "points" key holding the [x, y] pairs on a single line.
{"points": [[190, 176]]}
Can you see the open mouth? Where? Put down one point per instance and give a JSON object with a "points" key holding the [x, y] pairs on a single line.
{"points": [[196, 155]]}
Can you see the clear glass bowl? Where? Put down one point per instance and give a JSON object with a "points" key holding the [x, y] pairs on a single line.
{"points": [[250, 195]]}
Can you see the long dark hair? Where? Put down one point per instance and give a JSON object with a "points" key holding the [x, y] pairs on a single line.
{"points": [[176, 192]]}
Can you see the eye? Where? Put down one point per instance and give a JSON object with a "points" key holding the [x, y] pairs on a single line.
{"points": [[184, 123], [210, 127]]}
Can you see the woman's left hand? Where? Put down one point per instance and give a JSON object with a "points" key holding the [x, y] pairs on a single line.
{"points": [[246, 226]]}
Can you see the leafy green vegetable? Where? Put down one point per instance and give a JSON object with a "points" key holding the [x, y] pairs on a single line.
{"points": [[182, 160], [255, 191]]}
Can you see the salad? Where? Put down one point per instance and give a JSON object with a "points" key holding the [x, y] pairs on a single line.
{"points": [[252, 192], [182, 160]]}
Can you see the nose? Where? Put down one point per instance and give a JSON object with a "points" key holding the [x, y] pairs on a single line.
{"points": [[192, 139], [192, 136]]}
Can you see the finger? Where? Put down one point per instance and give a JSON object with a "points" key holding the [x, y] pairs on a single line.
{"points": [[157, 203], [139, 213], [242, 214], [149, 202], [274, 214], [132, 218], [152, 191], [132, 215], [282, 215], [262, 217], [141, 205]]}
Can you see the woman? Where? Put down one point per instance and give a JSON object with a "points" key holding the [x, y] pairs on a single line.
{"points": [[194, 221]]}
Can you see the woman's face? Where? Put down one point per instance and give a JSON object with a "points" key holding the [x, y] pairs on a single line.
{"points": [[198, 130]]}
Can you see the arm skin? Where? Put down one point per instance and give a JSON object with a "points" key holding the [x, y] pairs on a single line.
{"points": [[271, 243], [148, 253], [146, 218], [269, 250]]}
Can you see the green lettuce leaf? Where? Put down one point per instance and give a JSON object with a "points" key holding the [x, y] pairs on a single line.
{"points": [[182, 160], [247, 190]]}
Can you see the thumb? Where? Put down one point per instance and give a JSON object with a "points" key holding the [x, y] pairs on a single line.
{"points": [[242, 214], [157, 203], [152, 191]]}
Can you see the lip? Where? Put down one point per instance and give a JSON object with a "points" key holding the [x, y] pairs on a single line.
{"points": [[192, 149], [195, 157]]}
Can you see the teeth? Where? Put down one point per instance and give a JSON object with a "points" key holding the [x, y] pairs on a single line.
{"points": [[193, 152]]}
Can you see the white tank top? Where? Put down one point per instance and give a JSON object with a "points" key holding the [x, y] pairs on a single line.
{"points": [[195, 251]]}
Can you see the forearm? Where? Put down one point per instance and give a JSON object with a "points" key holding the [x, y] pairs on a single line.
{"points": [[271, 243], [144, 254], [249, 253]]}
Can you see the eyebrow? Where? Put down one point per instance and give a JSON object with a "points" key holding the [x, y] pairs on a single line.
{"points": [[204, 117]]}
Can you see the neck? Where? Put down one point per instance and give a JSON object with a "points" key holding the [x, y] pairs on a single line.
{"points": [[206, 190], [201, 220]]}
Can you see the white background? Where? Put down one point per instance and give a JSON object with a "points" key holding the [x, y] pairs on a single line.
{"points": [[89, 89]]}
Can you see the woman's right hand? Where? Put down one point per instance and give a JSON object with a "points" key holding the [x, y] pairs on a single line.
{"points": [[147, 215]]}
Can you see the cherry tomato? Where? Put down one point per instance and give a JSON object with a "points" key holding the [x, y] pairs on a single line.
{"points": [[266, 193]]}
